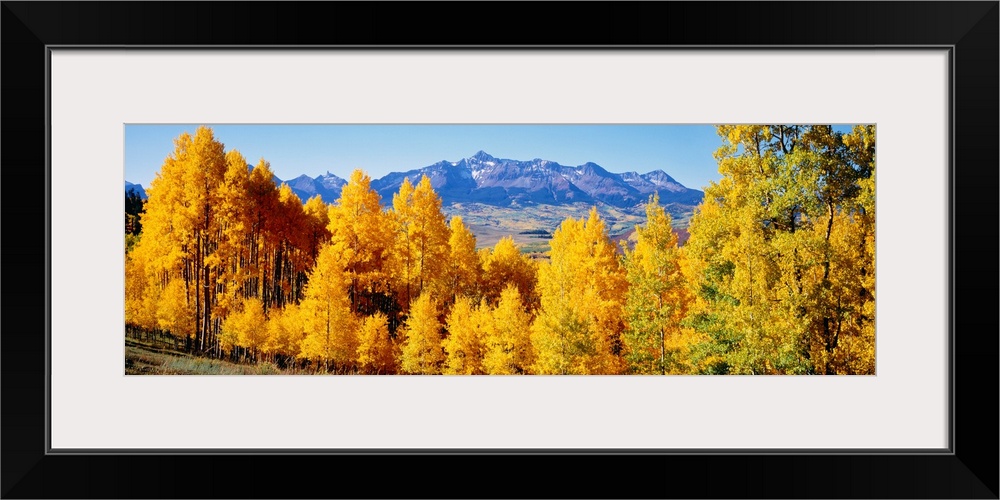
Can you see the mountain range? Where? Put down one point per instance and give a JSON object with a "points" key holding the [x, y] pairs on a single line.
{"points": [[484, 179]]}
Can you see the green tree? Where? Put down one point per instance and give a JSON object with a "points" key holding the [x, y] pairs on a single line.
{"points": [[767, 244], [656, 301], [133, 212]]}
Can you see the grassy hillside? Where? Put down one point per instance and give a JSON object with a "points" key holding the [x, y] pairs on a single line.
{"points": [[149, 358]]}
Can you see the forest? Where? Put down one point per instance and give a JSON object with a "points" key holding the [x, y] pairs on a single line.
{"points": [[777, 276]]}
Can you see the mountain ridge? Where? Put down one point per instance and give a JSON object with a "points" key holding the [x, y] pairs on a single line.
{"points": [[483, 178], [503, 182]]}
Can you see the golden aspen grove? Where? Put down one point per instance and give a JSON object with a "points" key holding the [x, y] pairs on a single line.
{"points": [[777, 275]]}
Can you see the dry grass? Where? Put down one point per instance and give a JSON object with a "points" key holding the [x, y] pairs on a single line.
{"points": [[147, 360]]}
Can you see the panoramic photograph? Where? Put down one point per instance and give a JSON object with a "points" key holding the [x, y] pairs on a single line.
{"points": [[499, 249]]}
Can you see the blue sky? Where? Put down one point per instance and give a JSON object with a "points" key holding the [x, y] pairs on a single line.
{"points": [[683, 151]]}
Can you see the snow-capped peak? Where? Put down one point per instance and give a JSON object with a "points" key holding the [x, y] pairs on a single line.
{"points": [[482, 156]]}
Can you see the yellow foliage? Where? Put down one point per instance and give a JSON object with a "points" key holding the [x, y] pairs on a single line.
{"points": [[464, 266], [505, 264], [422, 352], [174, 313], [777, 255], [361, 232], [507, 342], [141, 294], [657, 299], [582, 288], [464, 344], [247, 327], [285, 332], [331, 333], [777, 276], [375, 350], [421, 249]]}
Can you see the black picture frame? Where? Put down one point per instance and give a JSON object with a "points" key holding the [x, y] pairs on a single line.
{"points": [[968, 470]]}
